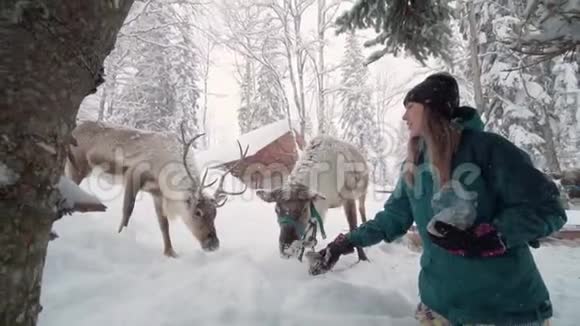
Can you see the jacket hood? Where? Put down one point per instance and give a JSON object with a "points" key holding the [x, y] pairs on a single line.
{"points": [[468, 118]]}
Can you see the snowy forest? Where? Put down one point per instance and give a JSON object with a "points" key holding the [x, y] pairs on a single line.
{"points": [[239, 65], [225, 69]]}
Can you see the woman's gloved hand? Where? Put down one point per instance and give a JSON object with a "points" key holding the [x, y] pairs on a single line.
{"points": [[322, 261], [480, 240]]}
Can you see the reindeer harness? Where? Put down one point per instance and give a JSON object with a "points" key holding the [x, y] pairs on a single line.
{"points": [[307, 234]]}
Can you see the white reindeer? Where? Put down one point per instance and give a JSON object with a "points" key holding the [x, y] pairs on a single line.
{"points": [[151, 162], [329, 173]]}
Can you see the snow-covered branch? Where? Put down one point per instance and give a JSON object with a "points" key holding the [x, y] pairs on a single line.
{"points": [[75, 199]]}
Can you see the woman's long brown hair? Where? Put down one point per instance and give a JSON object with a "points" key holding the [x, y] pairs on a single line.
{"points": [[441, 139]]}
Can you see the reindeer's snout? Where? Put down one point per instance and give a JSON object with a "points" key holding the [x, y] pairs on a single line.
{"points": [[287, 236], [211, 243], [285, 251]]}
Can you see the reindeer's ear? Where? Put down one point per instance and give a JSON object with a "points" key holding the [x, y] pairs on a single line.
{"points": [[315, 195], [312, 195], [300, 192], [268, 196]]}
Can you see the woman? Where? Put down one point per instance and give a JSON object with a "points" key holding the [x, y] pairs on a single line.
{"points": [[485, 273]]}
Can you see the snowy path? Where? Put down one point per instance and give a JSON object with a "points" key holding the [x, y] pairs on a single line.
{"points": [[96, 277]]}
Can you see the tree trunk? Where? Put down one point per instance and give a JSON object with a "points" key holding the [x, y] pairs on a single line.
{"points": [[51, 57], [102, 105], [321, 71], [300, 63], [206, 92], [291, 46], [475, 66], [551, 154], [293, 83]]}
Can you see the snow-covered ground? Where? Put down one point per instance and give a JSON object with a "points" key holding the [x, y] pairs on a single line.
{"points": [[97, 277]]}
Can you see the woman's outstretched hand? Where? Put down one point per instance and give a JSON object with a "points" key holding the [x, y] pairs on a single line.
{"points": [[322, 261]]}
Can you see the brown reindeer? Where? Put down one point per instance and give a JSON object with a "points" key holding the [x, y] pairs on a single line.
{"points": [[157, 163], [329, 173]]}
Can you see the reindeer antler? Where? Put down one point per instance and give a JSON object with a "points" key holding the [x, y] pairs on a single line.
{"points": [[220, 192], [187, 145], [203, 185]]}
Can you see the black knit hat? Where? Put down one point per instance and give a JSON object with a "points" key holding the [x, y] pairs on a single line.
{"points": [[438, 91]]}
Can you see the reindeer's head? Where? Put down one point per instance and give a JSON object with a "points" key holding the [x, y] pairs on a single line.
{"points": [[202, 214], [292, 210]]}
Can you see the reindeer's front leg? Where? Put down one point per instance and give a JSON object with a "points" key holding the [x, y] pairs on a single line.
{"points": [[164, 226], [135, 178], [362, 208], [350, 211]]}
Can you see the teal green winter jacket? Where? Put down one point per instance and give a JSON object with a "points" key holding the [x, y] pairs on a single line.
{"points": [[518, 199]]}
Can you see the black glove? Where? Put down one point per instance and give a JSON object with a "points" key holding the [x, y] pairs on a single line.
{"points": [[534, 244], [323, 260], [480, 240]]}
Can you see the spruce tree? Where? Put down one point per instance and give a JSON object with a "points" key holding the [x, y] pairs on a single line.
{"points": [[262, 101], [268, 102], [157, 82], [246, 98], [545, 29], [420, 28], [357, 120]]}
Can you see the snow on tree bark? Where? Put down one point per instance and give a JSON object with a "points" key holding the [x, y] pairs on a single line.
{"points": [[51, 57], [566, 115]]}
